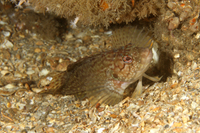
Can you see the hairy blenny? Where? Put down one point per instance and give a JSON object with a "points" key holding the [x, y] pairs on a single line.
{"points": [[102, 78]]}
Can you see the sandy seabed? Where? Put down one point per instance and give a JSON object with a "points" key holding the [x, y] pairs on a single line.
{"points": [[33, 45]]}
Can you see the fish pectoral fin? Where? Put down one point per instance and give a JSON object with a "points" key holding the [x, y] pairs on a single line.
{"points": [[104, 96], [155, 79], [138, 89]]}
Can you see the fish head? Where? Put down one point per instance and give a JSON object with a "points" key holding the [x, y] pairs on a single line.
{"points": [[130, 63]]}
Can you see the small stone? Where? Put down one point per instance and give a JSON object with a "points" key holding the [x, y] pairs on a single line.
{"points": [[37, 50], [79, 41], [3, 23], [87, 39], [21, 44], [53, 62], [43, 50], [194, 28], [6, 54], [177, 125], [18, 56], [113, 115], [69, 36], [36, 90], [39, 43], [174, 23], [101, 30], [30, 72], [176, 55], [9, 105], [140, 103], [22, 36], [10, 86], [5, 72], [190, 56], [108, 32], [50, 130], [7, 44], [44, 72], [17, 74], [194, 65], [194, 105], [15, 48], [31, 131], [185, 118], [6, 33], [62, 66], [197, 35]]}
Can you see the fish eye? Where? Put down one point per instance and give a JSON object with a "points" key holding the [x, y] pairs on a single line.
{"points": [[127, 59]]}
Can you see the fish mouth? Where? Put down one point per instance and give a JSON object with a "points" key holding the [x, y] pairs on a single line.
{"points": [[146, 57]]}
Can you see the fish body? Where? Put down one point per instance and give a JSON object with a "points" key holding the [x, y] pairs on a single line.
{"points": [[102, 78]]}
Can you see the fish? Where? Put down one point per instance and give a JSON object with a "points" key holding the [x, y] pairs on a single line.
{"points": [[103, 77]]}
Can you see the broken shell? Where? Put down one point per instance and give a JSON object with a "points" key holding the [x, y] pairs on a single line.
{"points": [[176, 55], [10, 86], [6, 33], [37, 90], [6, 44], [29, 72], [45, 81], [195, 27], [197, 35], [5, 72], [44, 72], [174, 23]]}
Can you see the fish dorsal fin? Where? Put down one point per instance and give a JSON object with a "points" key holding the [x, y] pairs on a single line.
{"points": [[134, 35]]}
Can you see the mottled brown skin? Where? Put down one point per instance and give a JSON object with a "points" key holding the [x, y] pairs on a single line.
{"points": [[102, 78]]}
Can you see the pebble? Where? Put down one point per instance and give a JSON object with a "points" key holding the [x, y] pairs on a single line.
{"points": [[6, 54], [39, 43], [79, 41], [3, 23], [17, 74], [15, 48], [197, 36], [6, 33], [18, 56], [29, 72], [194, 65], [174, 23], [190, 56], [87, 39], [62, 66], [37, 50], [6, 44], [176, 55], [108, 33], [44, 72], [10, 86], [69, 36], [5, 72], [194, 105], [21, 35]]}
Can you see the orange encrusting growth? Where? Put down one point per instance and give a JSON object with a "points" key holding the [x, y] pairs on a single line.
{"points": [[133, 2], [182, 5], [193, 21], [104, 5]]}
